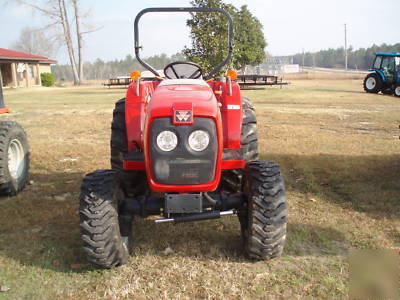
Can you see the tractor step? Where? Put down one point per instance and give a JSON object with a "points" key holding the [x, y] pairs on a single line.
{"points": [[197, 217]]}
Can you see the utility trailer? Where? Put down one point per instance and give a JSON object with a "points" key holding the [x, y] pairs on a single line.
{"points": [[253, 79]]}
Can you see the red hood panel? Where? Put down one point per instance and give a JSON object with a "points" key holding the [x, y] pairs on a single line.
{"points": [[166, 97]]}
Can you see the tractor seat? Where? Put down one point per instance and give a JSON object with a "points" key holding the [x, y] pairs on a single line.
{"points": [[185, 81]]}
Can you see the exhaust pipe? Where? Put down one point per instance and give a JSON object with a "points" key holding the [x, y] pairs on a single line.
{"points": [[197, 217]]}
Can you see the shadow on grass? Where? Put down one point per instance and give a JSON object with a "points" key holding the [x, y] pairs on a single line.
{"points": [[361, 91], [221, 240], [97, 90], [37, 230], [369, 184]]}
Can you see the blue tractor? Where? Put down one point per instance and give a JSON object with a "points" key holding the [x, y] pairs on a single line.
{"points": [[385, 75]]}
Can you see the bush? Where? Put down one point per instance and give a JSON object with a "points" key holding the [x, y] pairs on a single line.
{"points": [[48, 79]]}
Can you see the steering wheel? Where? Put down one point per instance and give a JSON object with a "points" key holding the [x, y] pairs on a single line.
{"points": [[181, 69]]}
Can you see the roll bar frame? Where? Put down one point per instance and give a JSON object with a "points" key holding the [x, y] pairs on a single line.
{"points": [[218, 67]]}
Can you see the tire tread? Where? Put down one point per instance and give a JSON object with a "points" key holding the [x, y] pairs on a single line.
{"points": [[265, 231]]}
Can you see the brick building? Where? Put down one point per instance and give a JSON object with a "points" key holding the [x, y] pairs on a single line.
{"points": [[19, 69]]}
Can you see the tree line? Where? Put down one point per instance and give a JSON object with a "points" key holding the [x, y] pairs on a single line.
{"points": [[207, 31], [360, 59], [100, 69], [66, 25]]}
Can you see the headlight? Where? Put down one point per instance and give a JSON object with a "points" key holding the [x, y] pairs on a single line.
{"points": [[199, 140], [167, 140]]}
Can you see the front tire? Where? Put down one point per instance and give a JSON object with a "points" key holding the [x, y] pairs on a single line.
{"points": [[14, 158], [264, 226], [99, 219], [373, 83]]}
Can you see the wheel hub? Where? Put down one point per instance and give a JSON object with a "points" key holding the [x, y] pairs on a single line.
{"points": [[371, 83], [397, 91], [15, 159]]}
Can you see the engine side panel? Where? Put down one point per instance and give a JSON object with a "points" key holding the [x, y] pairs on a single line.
{"points": [[230, 99]]}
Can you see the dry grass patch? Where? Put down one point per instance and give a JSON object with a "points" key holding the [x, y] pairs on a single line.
{"points": [[340, 154]]}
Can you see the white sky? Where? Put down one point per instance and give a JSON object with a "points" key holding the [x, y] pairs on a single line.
{"points": [[289, 25]]}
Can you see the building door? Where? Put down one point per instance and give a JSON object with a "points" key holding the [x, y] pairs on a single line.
{"points": [[6, 74]]}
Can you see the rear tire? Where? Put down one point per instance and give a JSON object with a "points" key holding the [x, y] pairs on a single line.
{"points": [[134, 182], [14, 158], [99, 219], [231, 180], [119, 140], [373, 83], [264, 229], [397, 91]]}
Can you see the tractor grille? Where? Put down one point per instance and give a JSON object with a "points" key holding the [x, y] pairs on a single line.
{"points": [[183, 166]]}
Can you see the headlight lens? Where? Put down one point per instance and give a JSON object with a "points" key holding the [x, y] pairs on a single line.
{"points": [[167, 140], [199, 140]]}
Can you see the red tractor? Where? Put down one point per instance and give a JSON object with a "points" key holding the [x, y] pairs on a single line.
{"points": [[183, 147]]}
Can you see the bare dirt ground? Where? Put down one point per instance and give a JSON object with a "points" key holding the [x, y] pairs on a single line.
{"points": [[339, 149]]}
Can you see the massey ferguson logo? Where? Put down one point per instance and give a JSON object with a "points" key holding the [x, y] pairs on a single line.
{"points": [[183, 116]]}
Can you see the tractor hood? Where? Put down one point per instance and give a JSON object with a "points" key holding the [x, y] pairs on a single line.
{"points": [[183, 94]]}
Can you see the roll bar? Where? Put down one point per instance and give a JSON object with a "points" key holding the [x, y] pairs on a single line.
{"points": [[184, 9]]}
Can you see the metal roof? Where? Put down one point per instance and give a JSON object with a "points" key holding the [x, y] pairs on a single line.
{"points": [[7, 54], [388, 54]]}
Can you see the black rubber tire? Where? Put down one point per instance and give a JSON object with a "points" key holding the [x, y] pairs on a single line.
{"points": [[264, 225], [231, 180], [10, 131], [118, 142], [396, 91], [99, 219], [378, 83], [134, 182]]}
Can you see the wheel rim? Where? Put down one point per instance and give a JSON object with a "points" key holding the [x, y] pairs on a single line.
{"points": [[397, 91], [16, 158], [371, 83]]}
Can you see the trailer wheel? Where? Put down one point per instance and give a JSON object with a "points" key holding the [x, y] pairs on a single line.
{"points": [[14, 158], [99, 219], [373, 83], [264, 231], [397, 91], [231, 180], [134, 182]]}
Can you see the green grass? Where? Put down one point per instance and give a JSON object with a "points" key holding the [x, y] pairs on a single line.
{"points": [[340, 154]]}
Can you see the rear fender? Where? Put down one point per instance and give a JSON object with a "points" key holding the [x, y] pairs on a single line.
{"points": [[380, 73]]}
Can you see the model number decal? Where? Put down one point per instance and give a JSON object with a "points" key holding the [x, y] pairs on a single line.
{"points": [[233, 106]]}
